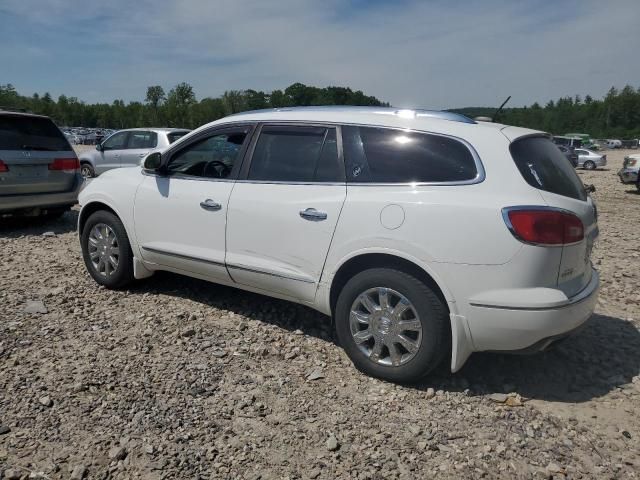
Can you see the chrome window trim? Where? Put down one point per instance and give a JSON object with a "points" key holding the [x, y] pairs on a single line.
{"points": [[479, 178], [184, 257]]}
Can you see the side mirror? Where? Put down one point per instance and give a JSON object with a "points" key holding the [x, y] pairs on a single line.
{"points": [[153, 162], [99, 147]]}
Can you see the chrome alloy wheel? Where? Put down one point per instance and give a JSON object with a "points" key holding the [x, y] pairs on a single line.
{"points": [[385, 326], [104, 250]]}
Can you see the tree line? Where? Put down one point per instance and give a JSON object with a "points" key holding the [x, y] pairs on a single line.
{"points": [[616, 115], [179, 107]]}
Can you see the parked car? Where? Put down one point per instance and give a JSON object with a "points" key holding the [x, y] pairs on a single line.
{"points": [[423, 234], [630, 171], [126, 148], [570, 153], [590, 160], [39, 171], [612, 143]]}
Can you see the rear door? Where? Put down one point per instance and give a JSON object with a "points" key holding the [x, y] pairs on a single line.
{"points": [[140, 143], [543, 167], [284, 210], [36, 157]]}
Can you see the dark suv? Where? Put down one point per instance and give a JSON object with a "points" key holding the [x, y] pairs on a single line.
{"points": [[39, 171]]}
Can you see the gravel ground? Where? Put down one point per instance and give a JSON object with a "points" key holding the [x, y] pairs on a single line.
{"points": [[177, 378]]}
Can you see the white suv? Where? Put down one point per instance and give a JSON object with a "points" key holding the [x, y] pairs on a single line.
{"points": [[424, 235]]}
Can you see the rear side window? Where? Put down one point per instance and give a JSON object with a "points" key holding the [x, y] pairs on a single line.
{"points": [[173, 136], [543, 166], [296, 154], [382, 155], [140, 139], [30, 133]]}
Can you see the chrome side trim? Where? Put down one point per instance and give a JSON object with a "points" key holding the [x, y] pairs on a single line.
{"points": [[267, 272], [184, 257]]}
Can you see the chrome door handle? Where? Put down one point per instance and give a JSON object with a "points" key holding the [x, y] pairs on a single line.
{"points": [[209, 204], [313, 215]]}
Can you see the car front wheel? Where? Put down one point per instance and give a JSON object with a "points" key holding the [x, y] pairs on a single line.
{"points": [[106, 250], [392, 325]]}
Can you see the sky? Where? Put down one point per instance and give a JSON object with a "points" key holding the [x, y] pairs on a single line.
{"points": [[412, 53]]}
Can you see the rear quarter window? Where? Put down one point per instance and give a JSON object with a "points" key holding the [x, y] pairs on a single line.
{"points": [[384, 155], [544, 167], [31, 133]]}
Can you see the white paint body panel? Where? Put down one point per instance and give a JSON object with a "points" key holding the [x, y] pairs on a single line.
{"points": [[502, 294]]}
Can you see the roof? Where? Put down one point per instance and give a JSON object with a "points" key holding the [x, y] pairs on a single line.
{"points": [[155, 129], [336, 110], [20, 113]]}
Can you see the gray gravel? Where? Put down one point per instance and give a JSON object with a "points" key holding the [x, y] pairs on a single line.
{"points": [[177, 378]]}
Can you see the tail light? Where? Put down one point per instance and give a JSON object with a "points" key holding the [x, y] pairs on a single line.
{"points": [[3, 167], [66, 164], [543, 226]]}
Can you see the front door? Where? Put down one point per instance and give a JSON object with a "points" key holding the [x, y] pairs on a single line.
{"points": [[112, 148], [180, 217], [284, 210]]}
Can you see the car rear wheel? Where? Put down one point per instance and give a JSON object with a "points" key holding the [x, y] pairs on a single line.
{"points": [[391, 325], [106, 250], [589, 165], [87, 171]]}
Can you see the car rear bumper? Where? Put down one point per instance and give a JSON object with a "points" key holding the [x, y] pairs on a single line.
{"points": [[628, 175], [548, 316], [13, 203]]}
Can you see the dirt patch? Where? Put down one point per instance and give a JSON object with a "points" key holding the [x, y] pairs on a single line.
{"points": [[177, 378]]}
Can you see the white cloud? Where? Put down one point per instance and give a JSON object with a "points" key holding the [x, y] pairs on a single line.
{"points": [[412, 53]]}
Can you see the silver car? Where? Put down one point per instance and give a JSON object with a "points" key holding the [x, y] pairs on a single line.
{"points": [[630, 171], [126, 148], [590, 160], [39, 171]]}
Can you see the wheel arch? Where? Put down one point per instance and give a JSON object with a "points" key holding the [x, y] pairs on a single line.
{"points": [[366, 260]]}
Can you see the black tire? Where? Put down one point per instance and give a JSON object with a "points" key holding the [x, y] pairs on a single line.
{"points": [[589, 165], [87, 171], [432, 314], [122, 275]]}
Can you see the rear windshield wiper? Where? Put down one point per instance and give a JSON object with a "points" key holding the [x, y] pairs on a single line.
{"points": [[39, 148]]}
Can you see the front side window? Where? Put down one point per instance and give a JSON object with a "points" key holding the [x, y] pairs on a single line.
{"points": [[296, 154], [383, 155], [117, 141], [140, 139], [211, 157]]}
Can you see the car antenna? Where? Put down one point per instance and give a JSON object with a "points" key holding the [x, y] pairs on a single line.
{"points": [[495, 114]]}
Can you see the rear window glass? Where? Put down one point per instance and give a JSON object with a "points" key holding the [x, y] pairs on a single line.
{"points": [[173, 136], [382, 155], [30, 133], [543, 166]]}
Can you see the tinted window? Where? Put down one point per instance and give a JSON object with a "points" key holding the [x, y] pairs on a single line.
{"points": [[543, 166], [173, 136], [212, 157], [382, 155], [138, 139], [30, 133], [117, 141], [296, 154]]}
